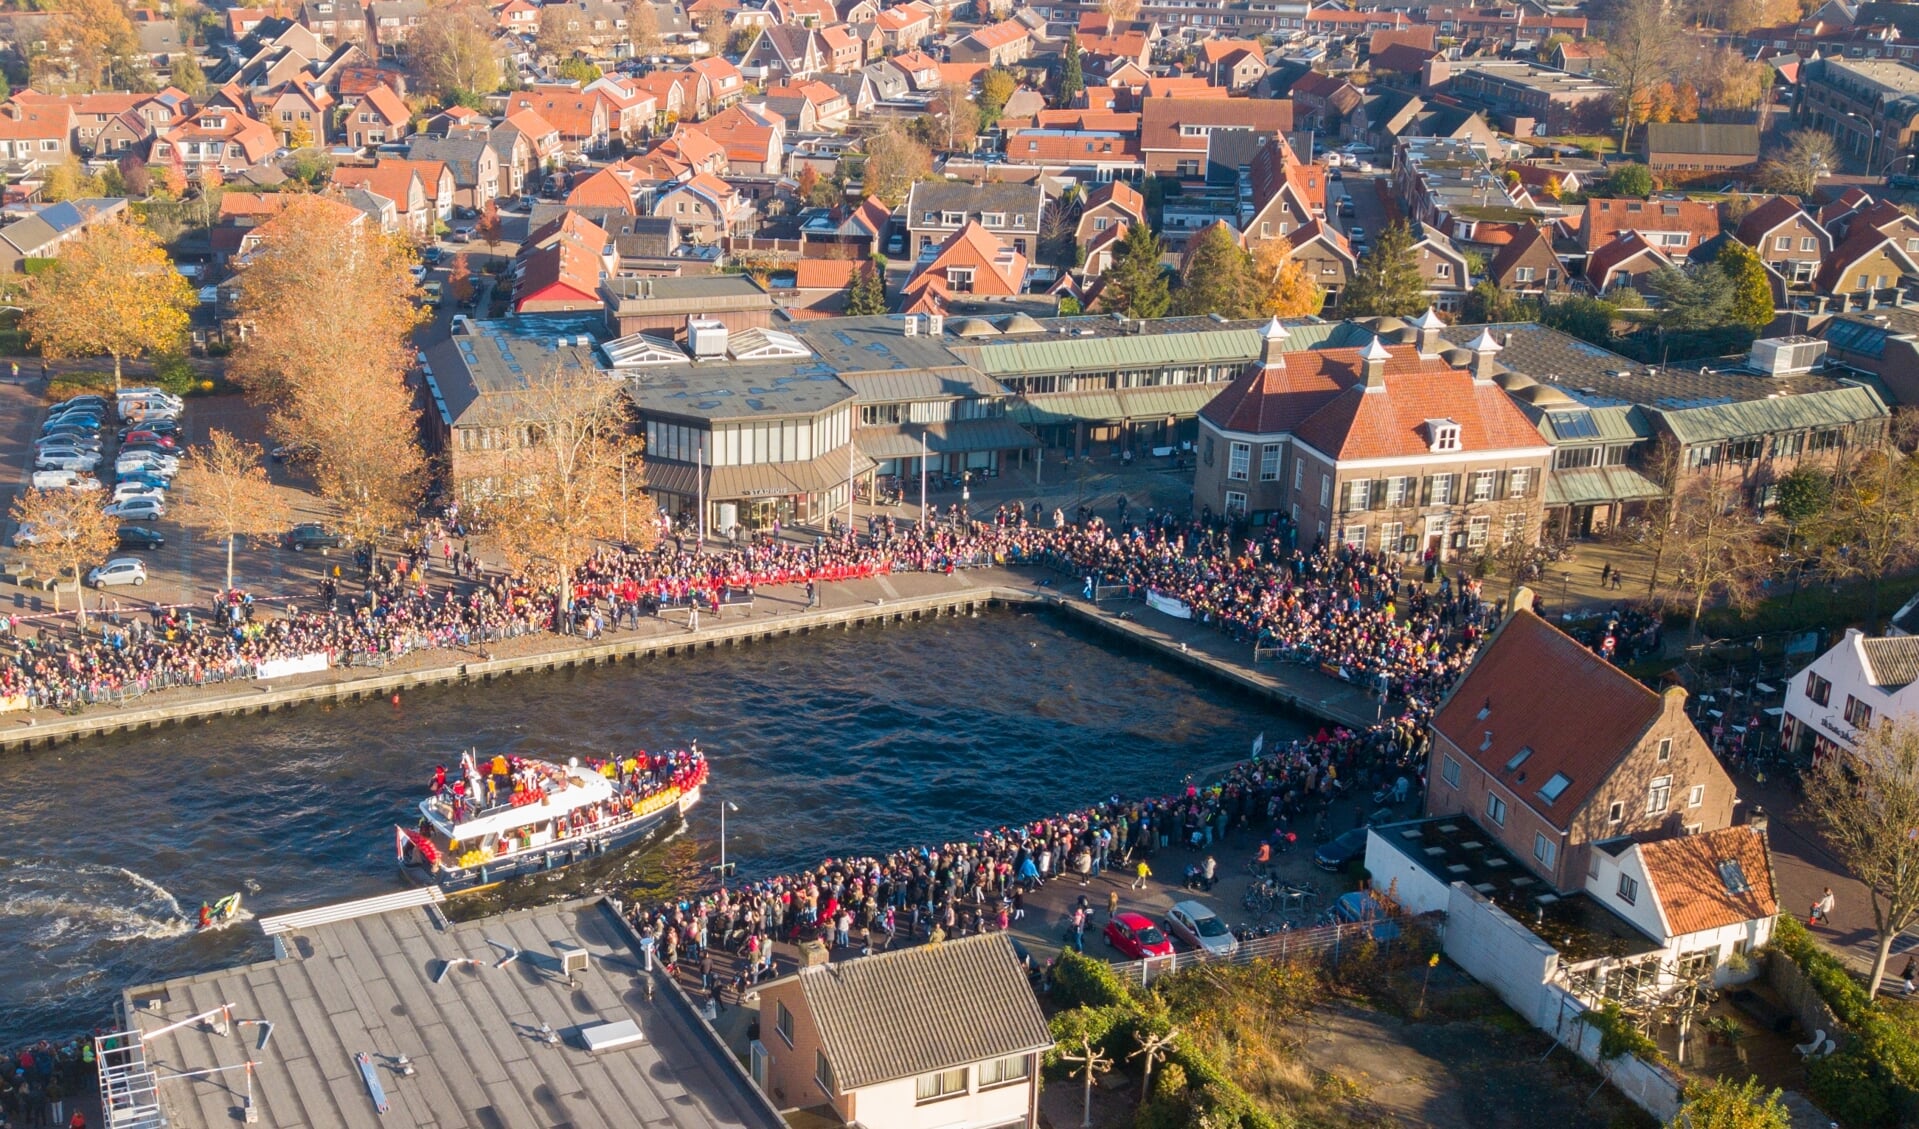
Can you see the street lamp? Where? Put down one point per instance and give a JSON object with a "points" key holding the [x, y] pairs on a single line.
{"points": [[1872, 138], [725, 806]]}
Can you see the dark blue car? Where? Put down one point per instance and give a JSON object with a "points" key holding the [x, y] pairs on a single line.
{"points": [[1337, 854]]}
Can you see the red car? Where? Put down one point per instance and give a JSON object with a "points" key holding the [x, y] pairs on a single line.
{"points": [[149, 437], [1137, 937]]}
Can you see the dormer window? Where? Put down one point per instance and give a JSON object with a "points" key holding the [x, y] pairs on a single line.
{"points": [[1442, 434], [952, 219]]}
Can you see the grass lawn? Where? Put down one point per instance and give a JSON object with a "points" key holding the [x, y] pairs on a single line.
{"points": [[1834, 607], [1594, 142]]}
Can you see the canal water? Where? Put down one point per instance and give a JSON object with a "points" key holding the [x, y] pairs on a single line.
{"points": [[827, 744]]}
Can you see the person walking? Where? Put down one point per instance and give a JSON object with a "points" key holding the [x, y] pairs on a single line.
{"points": [[1822, 909], [1142, 873], [1112, 904]]}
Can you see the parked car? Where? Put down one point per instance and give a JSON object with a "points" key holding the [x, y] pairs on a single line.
{"points": [[66, 458], [1355, 234], [148, 413], [87, 415], [70, 427], [148, 392], [432, 255], [1201, 928], [153, 449], [139, 463], [1137, 937], [83, 442], [153, 438], [26, 535], [292, 452], [140, 537], [123, 490], [462, 232], [1336, 854], [138, 509], [145, 478], [156, 426], [1359, 906], [119, 570], [86, 400], [64, 480], [311, 535]]}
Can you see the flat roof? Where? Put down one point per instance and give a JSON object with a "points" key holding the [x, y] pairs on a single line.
{"points": [[368, 984], [1889, 75], [728, 389]]}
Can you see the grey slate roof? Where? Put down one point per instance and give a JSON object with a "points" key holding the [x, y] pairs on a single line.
{"points": [[367, 985], [1893, 661], [973, 199], [460, 153], [1703, 138], [56, 220], [923, 1009]]}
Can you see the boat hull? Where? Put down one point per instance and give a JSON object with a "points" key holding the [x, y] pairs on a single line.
{"points": [[550, 858]]}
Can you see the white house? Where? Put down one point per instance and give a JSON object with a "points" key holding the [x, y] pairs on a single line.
{"points": [[931, 1037], [1859, 679], [1701, 897]]}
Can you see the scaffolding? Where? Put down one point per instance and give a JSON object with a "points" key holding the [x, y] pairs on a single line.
{"points": [[129, 1085]]}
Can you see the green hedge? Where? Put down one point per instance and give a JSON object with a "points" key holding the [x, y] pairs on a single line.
{"points": [[1878, 1072]]}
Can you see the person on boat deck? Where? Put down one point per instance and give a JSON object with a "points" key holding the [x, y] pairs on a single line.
{"points": [[439, 779], [206, 915], [499, 764]]}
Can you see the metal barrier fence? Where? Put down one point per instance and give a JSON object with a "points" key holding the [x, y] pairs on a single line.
{"points": [[1105, 592], [1321, 942]]}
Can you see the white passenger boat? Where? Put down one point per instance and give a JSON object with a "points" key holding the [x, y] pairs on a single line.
{"points": [[509, 816]]}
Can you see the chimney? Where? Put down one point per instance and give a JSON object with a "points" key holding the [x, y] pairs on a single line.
{"points": [[1484, 350], [1272, 345], [1522, 598], [1372, 368], [1429, 326]]}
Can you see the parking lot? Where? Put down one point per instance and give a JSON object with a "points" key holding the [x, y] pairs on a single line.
{"points": [[186, 569]]}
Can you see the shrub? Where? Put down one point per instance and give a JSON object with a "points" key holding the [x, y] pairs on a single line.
{"points": [[1847, 1085], [1080, 981], [174, 374]]}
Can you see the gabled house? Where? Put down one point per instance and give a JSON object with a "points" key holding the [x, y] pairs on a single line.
{"points": [[783, 52], [1676, 227], [803, 13], [1861, 680], [1866, 265], [395, 181], [1554, 751], [809, 106], [632, 110], [1102, 247], [297, 111], [604, 188], [842, 50], [1326, 256], [1624, 263], [904, 26], [1110, 205], [878, 1041], [972, 261], [41, 133], [922, 71], [472, 166], [215, 137], [562, 277], [375, 118], [707, 208], [1701, 898], [754, 140], [1177, 134], [1324, 100], [1443, 266], [390, 23], [51, 226], [1527, 265], [725, 84], [1787, 239], [1285, 195], [1233, 64], [995, 45], [583, 120]]}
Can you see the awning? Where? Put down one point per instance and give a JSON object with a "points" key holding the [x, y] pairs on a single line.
{"points": [[1119, 405], [1592, 486], [759, 480], [956, 437], [670, 477]]}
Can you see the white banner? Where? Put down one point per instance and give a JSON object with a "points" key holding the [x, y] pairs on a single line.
{"points": [[1166, 605], [301, 664]]}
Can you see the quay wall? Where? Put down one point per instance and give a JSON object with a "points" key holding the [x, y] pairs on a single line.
{"points": [[453, 667]]}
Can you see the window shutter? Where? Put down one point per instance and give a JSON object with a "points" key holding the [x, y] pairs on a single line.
{"points": [[1376, 500], [1426, 490], [1499, 486]]}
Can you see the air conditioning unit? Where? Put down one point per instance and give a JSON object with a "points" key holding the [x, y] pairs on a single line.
{"points": [[705, 337], [1782, 356], [935, 325], [912, 325]]}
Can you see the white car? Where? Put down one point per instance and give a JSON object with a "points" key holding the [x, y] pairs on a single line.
{"points": [[138, 509], [26, 535], [119, 570], [63, 480], [125, 490], [167, 465], [1201, 928], [148, 393], [65, 458]]}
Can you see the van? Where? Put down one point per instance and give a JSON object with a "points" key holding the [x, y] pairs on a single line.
{"points": [[57, 480], [131, 410], [148, 392]]}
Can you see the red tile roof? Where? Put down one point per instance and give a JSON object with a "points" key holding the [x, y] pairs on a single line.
{"points": [[1863, 241], [1000, 34], [604, 189], [1688, 874], [564, 274], [998, 270], [1119, 194], [826, 274], [1216, 51], [1622, 250], [1161, 119], [1605, 218], [1578, 713], [1763, 220], [390, 107]]}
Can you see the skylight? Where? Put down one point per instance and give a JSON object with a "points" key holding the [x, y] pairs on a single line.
{"points": [[1734, 876], [1519, 757], [1555, 787]]}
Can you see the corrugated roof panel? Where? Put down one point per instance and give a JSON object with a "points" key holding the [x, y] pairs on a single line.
{"points": [[1832, 408]]}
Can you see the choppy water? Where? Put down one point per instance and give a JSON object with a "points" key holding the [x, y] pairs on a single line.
{"points": [[828, 744]]}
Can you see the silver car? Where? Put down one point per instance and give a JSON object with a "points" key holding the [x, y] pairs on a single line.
{"points": [[119, 570], [1201, 928]]}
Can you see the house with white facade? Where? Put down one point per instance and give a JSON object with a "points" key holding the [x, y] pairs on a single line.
{"points": [[923, 1038], [1860, 679]]}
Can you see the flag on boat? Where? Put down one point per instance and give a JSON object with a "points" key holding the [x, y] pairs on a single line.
{"points": [[1259, 743], [1166, 605]]}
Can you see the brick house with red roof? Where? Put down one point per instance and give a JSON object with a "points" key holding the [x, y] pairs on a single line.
{"points": [[396, 181], [584, 120], [755, 140], [1676, 227], [1550, 749], [562, 277], [1327, 257], [1527, 264], [996, 45], [1234, 64], [1787, 239], [1406, 448], [374, 118], [971, 261], [605, 188], [1107, 206], [1864, 267], [1624, 263]]}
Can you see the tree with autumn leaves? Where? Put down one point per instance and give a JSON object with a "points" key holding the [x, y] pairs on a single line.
{"points": [[329, 306], [113, 291], [1219, 276], [563, 482], [70, 532], [225, 494]]}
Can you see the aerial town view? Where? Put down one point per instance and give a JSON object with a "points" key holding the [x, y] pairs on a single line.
{"points": [[959, 564]]}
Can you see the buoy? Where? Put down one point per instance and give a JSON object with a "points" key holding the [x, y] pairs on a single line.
{"points": [[396, 699]]}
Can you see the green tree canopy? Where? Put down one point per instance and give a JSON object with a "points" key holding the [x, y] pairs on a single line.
{"points": [[1629, 179], [1388, 281], [865, 292], [1724, 1105], [1589, 319], [1072, 79], [1751, 290], [1694, 297], [1218, 277], [1136, 282]]}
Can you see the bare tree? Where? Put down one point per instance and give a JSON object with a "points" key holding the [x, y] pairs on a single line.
{"points": [[1873, 516], [455, 51], [1807, 157], [225, 494], [1642, 50], [1867, 804], [955, 117], [564, 480], [1717, 545], [67, 532]]}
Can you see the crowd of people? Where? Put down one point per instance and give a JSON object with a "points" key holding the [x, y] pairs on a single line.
{"points": [[1353, 613], [723, 939], [36, 1082]]}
